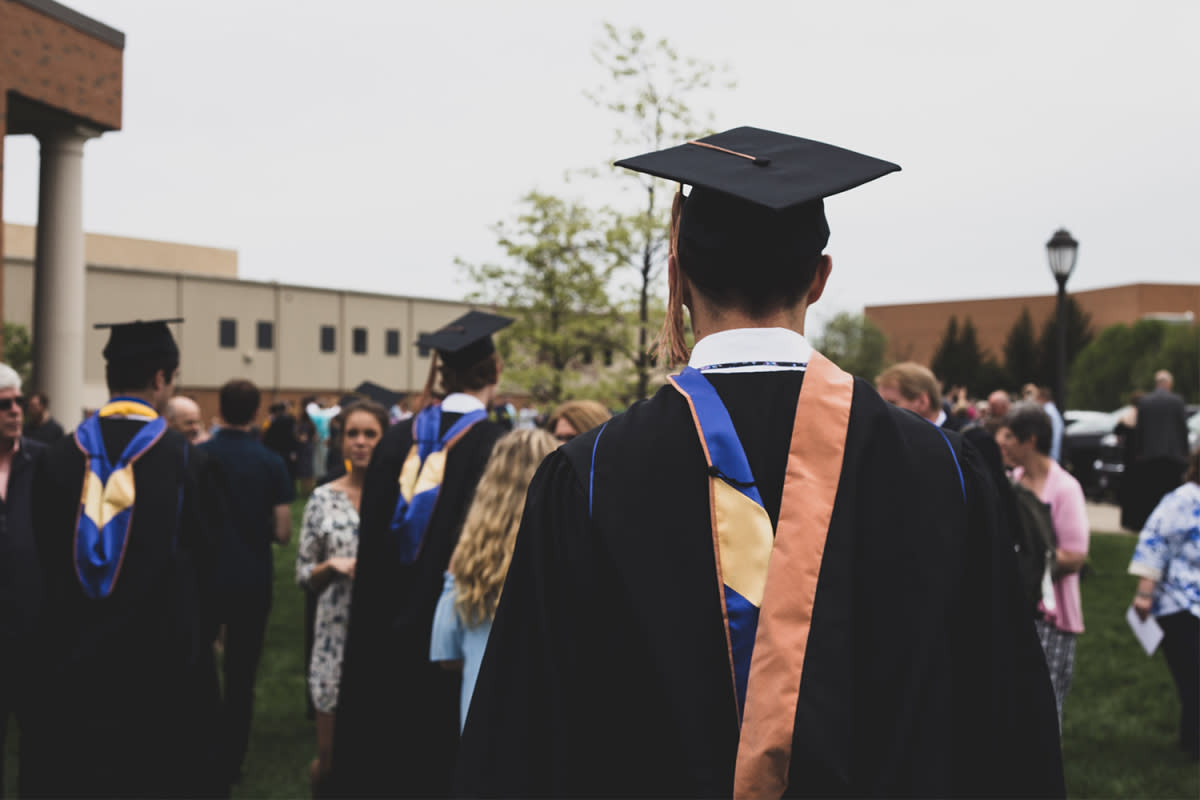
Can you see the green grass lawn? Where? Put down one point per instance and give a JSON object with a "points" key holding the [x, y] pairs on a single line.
{"points": [[1120, 722]]}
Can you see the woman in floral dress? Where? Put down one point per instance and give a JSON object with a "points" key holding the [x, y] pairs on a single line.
{"points": [[325, 566]]}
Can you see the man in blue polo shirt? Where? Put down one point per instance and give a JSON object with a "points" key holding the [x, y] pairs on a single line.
{"points": [[257, 494]]}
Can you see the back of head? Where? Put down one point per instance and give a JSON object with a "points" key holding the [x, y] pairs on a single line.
{"points": [[912, 380], [239, 400], [583, 415], [999, 403], [1163, 379], [473, 377], [136, 352], [484, 550], [134, 375], [744, 256]]}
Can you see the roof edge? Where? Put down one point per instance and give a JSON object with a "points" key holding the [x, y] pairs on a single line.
{"points": [[80, 22], [1137, 285]]}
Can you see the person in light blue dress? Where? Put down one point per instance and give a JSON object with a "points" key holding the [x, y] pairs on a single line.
{"points": [[1167, 563], [463, 618]]}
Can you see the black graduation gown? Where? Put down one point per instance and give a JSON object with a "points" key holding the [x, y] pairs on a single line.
{"points": [[129, 685], [607, 671], [397, 715]]}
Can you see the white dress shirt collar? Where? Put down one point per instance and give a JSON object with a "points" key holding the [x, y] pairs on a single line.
{"points": [[459, 403], [778, 346]]}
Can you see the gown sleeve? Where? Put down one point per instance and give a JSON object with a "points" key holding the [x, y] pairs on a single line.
{"points": [[1005, 706], [517, 740]]}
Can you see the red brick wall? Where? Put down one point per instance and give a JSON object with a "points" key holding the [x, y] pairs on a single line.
{"points": [[65, 69], [914, 330], [52, 63]]}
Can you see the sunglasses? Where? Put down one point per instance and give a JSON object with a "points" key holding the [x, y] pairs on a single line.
{"points": [[6, 403]]}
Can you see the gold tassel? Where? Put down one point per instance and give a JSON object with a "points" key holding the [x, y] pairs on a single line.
{"points": [[426, 398]]}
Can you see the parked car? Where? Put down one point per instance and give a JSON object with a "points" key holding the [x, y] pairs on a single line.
{"points": [[1082, 438], [1110, 461]]}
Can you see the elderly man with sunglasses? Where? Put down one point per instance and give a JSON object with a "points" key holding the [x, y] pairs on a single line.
{"points": [[20, 576]]}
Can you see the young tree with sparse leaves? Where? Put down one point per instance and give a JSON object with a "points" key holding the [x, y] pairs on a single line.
{"points": [[555, 283], [648, 89]]}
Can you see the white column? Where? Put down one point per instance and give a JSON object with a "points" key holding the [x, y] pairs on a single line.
{"points": [[59, 275]]}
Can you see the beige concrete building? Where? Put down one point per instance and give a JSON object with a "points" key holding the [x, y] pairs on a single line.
{"points": [[290, 340]]}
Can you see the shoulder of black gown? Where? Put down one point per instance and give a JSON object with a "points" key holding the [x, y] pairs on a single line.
{"points": [[918, 587], [517, 738]]}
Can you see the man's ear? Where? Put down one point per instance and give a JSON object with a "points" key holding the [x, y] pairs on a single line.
{"points": [[824, 267]]}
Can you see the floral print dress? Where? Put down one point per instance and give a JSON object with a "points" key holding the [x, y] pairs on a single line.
{"points": [[329, 530]]}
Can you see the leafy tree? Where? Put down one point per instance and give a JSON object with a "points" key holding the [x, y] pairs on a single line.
{"points": [[959, 361], [648, 88], [1123, 359], [854, 343], [18, 350], [1079, 333], [945, 362], [1021, 352], [555, 284]]}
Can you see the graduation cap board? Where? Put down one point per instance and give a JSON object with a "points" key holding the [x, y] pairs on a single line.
{"points": [[766, 169], [373, 391], [139, 339], [467, 340]]}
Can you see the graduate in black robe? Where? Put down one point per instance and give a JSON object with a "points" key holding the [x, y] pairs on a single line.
{"points": [[397, 717], [127, 678], [611, 670]]}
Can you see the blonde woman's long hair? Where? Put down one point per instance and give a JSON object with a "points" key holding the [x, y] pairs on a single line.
{"points": [[485, 547]]}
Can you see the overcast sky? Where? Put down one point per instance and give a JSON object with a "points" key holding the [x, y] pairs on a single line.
{"points": [[366, 145]]}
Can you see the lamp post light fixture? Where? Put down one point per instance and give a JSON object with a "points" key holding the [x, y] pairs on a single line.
{"points": [[1062, 250]]}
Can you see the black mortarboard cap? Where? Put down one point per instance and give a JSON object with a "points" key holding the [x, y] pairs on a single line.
{"points": [[467, 340], [757, 198], [772, 170], [380, 394], [139, 339]]}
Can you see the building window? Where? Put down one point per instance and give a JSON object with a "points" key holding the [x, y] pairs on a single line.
{"points": [[228, 333], [360, 341], [587, 355], [393, 342], [422, 350], [266, 335], [608, 358], [328, 339]]}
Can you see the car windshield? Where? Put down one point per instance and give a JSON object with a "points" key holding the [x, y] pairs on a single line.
{"points": [[1096, 421]]}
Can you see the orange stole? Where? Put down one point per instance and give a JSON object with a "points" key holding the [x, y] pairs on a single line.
{"points": [[814, 468]]}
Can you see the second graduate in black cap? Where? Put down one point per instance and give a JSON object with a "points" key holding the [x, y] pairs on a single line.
{"points": [[764, 581], [129, 684], [397, 728]]}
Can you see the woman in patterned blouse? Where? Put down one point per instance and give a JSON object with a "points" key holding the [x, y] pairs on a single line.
{"points": [[1167, 562], [325, 566]]}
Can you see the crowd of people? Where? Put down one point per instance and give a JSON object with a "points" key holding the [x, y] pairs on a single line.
{"points": [[771, 578]]}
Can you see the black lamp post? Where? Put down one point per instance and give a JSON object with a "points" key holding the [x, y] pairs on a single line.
{"points": [[1062, 250]]}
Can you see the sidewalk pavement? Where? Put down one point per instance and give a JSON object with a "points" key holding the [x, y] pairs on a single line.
{"points": [[1104, 518]]}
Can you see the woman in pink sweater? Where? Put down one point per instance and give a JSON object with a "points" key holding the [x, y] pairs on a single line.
{"points": [[1024, 440]]}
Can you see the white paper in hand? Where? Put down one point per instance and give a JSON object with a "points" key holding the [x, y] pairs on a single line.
{"points": [[1147, 631]]}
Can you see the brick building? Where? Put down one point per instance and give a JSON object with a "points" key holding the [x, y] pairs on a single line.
{"points": [[914, 330], [60, 80]]}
